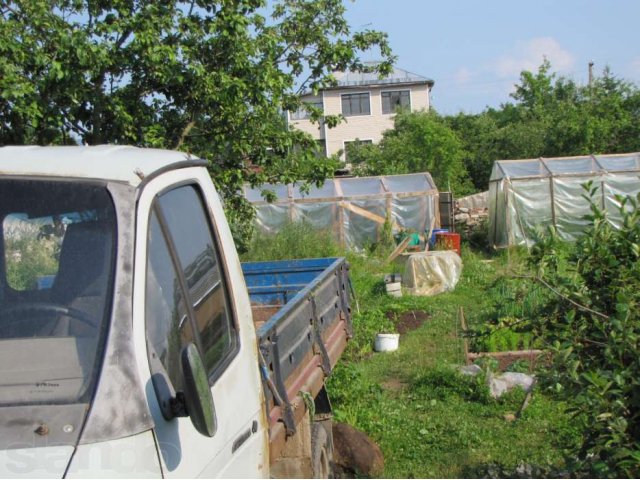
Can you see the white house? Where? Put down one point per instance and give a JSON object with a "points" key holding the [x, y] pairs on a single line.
{"points": [[368, 104]]}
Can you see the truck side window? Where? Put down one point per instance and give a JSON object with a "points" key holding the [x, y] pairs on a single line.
{"points": [[168, 328], [201, 280]]}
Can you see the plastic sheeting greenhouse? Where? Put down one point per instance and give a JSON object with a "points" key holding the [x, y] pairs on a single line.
{"points": [[528, 195], [353, 208]]}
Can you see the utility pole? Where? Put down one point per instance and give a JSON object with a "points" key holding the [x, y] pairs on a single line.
{"points": [[590, 72]]}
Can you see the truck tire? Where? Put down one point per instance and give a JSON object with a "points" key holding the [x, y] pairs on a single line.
{"points": [[321, 449]]}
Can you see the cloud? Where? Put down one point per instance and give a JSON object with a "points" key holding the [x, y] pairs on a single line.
{"points": [[529, 55], [463, 76]]}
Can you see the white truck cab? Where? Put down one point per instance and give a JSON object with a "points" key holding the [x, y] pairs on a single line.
{"points": [[128, 346], [88, 385]]}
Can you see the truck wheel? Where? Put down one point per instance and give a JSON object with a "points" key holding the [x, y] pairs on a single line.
{"points": [[321, 450]]}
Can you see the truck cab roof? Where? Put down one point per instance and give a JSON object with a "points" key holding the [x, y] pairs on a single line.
{"points": [[105, 162]]}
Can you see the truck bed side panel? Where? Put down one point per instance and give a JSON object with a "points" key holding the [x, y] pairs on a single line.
{"points": [[303, 340]]}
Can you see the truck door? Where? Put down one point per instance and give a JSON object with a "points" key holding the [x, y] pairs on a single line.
{"points": [[187, 291]]}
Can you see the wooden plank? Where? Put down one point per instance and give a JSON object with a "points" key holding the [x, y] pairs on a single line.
{"points": [[388, 213], [376, 196], [291, 202], [385, 187], [433, 223], [399, 249], [463, 324], [341, 233], [364, 213], [337, 184]]}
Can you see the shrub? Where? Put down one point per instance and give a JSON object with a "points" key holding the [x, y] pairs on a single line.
{"points": [[477, 236], [593, 326]]}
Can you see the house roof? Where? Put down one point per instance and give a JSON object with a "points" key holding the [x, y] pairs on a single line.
{"points": [[350, 79], [107, 162]]}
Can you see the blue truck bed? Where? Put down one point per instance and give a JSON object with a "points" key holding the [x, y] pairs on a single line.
{"points": [[303, 320]]}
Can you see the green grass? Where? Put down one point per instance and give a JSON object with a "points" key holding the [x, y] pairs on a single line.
{"points": [[429, 420], [437, 424]]}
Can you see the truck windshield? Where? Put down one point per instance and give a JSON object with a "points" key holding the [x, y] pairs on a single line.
{"points": [[56, 276]]}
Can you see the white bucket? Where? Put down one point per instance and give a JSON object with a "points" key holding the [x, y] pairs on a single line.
{"points": [[394, 289], [392, 277], [386, 342]]}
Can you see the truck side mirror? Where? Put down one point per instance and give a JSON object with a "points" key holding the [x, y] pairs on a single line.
{"points": [[197, 393]]}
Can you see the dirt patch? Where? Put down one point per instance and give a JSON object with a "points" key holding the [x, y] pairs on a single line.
{"points": [[407, 321], [393, 384]]}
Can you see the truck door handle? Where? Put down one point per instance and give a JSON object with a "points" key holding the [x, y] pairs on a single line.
{"points": [[237, 443]]}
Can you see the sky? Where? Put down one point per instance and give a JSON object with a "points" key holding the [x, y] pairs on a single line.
{"points": [[475, 50]]}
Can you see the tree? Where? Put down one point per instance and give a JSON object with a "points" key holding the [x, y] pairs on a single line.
{"points": [[551, 116], [613, 110], [419, 142], [211, 77]]}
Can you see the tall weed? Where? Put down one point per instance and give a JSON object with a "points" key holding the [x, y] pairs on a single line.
{"points": [[294, 240]]}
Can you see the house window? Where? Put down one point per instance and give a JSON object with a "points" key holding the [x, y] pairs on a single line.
{"points": [[303, 114], [392, 101], [355, 104], [351, 145]]}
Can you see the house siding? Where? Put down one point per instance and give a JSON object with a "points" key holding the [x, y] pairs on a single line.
{"points": [[313, 129], [362, 127]]}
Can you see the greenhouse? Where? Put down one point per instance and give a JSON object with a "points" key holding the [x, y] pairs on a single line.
{"points": [[354, 209], [526, 196]]}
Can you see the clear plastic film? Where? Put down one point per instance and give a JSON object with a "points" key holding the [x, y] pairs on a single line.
{"points": [[431, 273], [619, 185], [271, 218], [570, 206], [475, 201], [354, 209], [522, 202], [361, 230]]}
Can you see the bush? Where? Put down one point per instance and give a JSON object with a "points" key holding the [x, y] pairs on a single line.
{"points": [[477, 236], [593, 326]]}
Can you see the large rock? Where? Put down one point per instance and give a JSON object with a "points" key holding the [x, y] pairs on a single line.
{"points": [[355, 452], [509, 380]]}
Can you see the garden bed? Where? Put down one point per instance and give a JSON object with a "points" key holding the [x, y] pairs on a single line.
{"points": [[407, 321], [507, 359]]}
